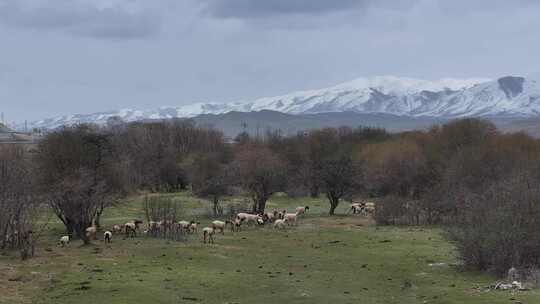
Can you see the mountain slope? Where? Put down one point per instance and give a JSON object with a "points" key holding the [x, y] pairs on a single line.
{"points": [[446, 98]]}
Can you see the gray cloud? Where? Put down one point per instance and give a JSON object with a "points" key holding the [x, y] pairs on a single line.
{"points": [[252, 9], [112, 20], [248, 8], [226, 50]]}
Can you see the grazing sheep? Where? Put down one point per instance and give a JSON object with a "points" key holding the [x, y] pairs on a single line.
{"points": [[91, 233], [193, 227], [208, 233], [152, 227], [291, 218], [270, 216], [117, 229], [132, 227], [368, 208], [279, 224], [236, 224], [219, 225], [64, 240], [301, 210], [249, 218], [242, 216], [184, 226], [107, 236], [355, 208], [165, 225]]}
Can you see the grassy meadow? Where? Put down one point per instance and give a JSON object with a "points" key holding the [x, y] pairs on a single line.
{"points": [[340, 259]]}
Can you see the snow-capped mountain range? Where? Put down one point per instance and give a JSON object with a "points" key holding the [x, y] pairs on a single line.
{"points": [[507, 96]]}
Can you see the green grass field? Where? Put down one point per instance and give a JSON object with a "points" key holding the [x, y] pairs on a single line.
{"points": [[340, 259]]}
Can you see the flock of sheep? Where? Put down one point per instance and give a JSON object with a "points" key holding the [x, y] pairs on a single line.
{"points": [[279, 220]]}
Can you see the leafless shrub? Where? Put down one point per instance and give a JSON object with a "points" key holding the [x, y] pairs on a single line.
{"points": [[235, 207], [18, 207], [162, 215]]}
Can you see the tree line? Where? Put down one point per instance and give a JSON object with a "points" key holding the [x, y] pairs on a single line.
{"points": [[480, 184]]}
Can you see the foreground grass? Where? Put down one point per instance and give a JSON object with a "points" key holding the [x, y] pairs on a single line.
{"points": [[340, 259]]}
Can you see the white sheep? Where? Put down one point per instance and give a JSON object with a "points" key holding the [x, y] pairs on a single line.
{"points": [[193, 227], [219, 225], [107, 236], [236, 224], [279, 224], [117, 229], [242, 216], [91, 232], [270, 216], [132, 227], [301, 210], [249, 218], [369, 208], [64, 240], [184, 226], [291, 218], [355, 208], [208, 233]]}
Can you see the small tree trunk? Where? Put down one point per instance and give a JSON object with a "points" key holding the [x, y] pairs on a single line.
{"points": [[70, 228], [261, 206], [97, 220], [254, 206], [334, 202], [314, 191], [215, 206]]}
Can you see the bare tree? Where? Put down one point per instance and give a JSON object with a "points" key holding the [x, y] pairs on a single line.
{"points": [[338, 178], [260, 172], [210, 180], [17, 201], [76, 176]]}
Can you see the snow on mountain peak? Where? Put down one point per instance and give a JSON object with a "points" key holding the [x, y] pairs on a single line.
{"points": [[446, 97], [404, 85]]}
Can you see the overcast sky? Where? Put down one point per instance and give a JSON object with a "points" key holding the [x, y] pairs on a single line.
{"points": [[79, 56]]}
